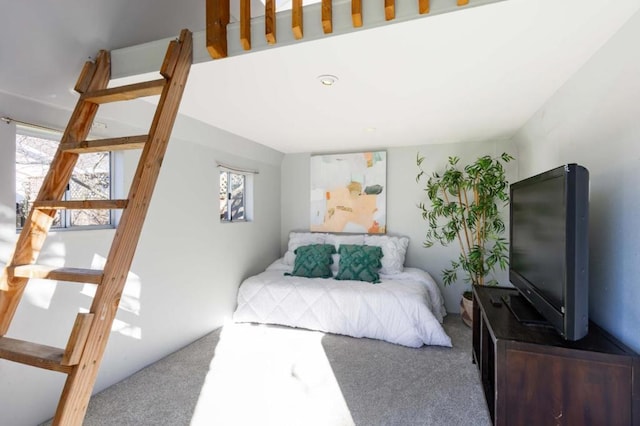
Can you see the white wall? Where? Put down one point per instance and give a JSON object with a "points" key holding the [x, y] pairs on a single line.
{"points": [[403, 196], [185, 273], [7, 191], [594, 120]]}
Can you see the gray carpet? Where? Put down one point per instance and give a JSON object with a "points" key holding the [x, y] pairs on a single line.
{"points": [[381, 383]]}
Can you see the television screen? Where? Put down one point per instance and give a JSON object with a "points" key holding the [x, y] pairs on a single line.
{"points": [[539, 227], [549, 249]]}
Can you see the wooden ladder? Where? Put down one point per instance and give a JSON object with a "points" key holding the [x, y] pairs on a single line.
{"points": [[81, 358]]}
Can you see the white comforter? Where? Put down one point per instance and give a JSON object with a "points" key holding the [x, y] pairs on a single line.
{"points": [[405, 308]]}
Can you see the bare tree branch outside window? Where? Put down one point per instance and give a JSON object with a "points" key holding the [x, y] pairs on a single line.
{"points": [[91, 180]]}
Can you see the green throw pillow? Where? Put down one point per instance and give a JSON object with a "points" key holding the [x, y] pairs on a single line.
{"points": [[313, 261], [359, 263]]}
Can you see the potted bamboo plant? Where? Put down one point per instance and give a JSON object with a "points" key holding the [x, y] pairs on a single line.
{"points": [[463, 207]]}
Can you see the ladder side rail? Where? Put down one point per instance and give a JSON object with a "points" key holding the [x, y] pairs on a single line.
{"points": [[39, 222], [77, 390]]}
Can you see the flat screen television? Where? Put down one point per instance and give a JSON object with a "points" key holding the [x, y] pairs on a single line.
{"points": [[549, 250]]}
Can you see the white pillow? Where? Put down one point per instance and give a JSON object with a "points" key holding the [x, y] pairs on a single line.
{"points": [[297, 239], [336, 240], [394, 250]]}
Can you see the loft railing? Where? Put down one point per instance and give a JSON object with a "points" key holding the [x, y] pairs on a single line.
{"points": [[234, 32], [218, 17]]}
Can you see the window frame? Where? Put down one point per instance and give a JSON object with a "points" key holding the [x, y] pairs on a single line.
{"points": [[247, 194], [229, 212], [65, 214]]}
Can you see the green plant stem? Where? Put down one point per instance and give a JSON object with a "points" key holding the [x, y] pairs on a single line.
{"points": [[477, 202], [464, 221], [464, 252], [466, 208]]}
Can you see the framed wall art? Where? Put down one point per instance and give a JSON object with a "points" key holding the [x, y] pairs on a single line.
{"points": [[348, 192]]}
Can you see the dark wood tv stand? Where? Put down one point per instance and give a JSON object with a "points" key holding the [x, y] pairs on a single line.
{"points": [[532, 376]]}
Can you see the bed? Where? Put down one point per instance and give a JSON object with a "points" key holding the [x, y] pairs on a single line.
{"points": [[384, 300]]}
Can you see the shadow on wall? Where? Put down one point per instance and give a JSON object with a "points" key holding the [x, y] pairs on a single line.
{"points": [[46, 315], [67, 300], [613, 250]]}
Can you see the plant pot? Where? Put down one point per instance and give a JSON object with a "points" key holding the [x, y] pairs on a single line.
{"points": [[466, 311]]}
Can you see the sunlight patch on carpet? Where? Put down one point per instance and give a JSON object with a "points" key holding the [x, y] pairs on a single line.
{"points": [[270, 376]]}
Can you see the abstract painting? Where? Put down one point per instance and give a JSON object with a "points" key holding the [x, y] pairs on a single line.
{"points": [[348, 192]]}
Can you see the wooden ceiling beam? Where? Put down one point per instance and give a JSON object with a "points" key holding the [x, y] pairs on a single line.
{"points": [[389, 9], [327, 17], [270, 21], [423, 6], [217, 16], [296, 19], [356, 13]]}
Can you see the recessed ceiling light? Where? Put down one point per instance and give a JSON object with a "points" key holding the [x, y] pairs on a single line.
{"points": [[327, 79]]}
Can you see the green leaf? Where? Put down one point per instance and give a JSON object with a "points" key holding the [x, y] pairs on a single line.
{"points": [[506, 157]]}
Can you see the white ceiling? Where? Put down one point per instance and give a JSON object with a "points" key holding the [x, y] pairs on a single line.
{"points": [[475, 74]]}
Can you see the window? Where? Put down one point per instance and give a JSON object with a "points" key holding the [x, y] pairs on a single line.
{"points": [[91, 180], [232, 197]]}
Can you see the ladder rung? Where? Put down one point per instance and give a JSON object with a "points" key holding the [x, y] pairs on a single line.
{"points": [[101, 145], [125, 93], [77, 275], [81, 205], [33, 354]]}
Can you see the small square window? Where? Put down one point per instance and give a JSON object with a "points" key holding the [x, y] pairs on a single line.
{"points": [[233, 198]]}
